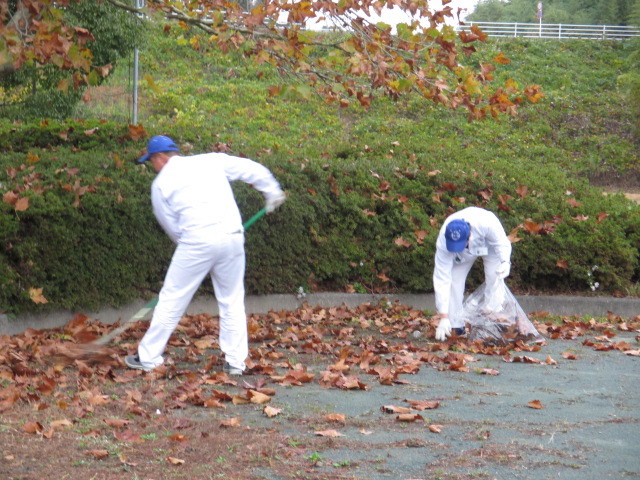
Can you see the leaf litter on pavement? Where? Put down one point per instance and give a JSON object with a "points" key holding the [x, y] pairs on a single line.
{"points": [[80, 403]]}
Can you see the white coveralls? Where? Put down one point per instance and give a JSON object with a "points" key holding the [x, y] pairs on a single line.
{"points": [[194, 203], [488, 240]]}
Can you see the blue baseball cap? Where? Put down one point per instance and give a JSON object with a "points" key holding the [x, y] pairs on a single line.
{"points": [[158, 144], [456, 234]]}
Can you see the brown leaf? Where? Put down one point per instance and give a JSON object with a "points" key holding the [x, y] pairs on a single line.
{"points": [[522, 190], [435, 428], [175, 461], [423, 404], [328, 433], [569, 356], [535, 404], [336, 417], [117, 422], [270, 411], [32, 427], [409, 417], [395, 409], [500, 58], [60, 423], [401, 242], [231, 422], [22, 204], [36, 295], [98, 454], [257, 397]]}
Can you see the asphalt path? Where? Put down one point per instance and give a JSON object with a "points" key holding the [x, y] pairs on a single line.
{"points": [[587, 425]]}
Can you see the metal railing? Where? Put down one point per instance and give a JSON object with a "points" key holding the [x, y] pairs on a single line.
{"points": [[554, 30]]}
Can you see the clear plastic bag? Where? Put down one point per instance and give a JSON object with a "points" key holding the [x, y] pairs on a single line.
{"points": [[496, 318]]}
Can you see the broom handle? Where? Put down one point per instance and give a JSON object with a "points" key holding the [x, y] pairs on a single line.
{"points": [[151, 305]]}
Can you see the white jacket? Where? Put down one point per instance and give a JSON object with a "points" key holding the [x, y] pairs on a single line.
{"points": [[486, 234], [192, 196]]}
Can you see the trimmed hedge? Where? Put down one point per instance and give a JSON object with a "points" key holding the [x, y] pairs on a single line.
{"points": [[360, 220]]}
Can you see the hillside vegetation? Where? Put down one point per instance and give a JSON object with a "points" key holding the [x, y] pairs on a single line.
{"points": [[368, 190]]}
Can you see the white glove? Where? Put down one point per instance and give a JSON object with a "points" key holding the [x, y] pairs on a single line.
{"points": [[274, 201], [443, 330], [503, 270]]}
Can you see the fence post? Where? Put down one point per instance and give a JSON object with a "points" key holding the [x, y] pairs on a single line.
{"points": [[604, 30], [559, 30], [515, 29]]}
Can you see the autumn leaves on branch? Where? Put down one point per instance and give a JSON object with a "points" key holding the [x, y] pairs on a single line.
{"points": [[351, 59]]}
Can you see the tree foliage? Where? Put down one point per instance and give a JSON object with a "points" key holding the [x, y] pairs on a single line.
{"points": [[581, 12], [50, 50], [356, 60]]}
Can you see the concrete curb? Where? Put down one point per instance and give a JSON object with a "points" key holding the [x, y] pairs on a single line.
{"points": [[554, 305]]}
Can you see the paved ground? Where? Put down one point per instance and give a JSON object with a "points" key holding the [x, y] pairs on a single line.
{"points": [[588, 426]]}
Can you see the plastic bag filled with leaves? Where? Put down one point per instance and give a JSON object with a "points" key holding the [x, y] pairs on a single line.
{"points": [[496, 318]]}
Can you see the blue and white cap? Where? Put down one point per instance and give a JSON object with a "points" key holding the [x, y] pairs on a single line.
{"points": [[158, 144], [457, 234]]}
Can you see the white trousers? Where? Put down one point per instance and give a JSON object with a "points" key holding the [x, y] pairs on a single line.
{"points": [[494, 286], [224, 260]]}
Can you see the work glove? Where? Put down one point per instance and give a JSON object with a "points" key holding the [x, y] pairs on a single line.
{"points": [[443, 330], [503, 270], [274, 201]]}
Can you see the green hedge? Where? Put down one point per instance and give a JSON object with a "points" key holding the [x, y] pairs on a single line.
{"points": [[361, 220]]}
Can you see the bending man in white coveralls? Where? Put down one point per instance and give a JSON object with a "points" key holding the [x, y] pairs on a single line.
{"points": [[193, 202], [466, 235]]}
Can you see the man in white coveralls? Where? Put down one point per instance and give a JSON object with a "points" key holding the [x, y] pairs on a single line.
{"points": [[466, 235], [193, 202]]}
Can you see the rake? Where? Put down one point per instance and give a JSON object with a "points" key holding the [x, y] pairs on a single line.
{"points": [[98, 344]]}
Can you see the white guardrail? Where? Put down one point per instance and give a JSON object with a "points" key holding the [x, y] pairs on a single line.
{"points": [[554, 30]]}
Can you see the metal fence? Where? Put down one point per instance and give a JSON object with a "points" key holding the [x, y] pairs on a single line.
{"points": [[554, 30]]}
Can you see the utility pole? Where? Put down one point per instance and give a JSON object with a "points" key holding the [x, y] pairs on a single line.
{"points": [[139, 4]]}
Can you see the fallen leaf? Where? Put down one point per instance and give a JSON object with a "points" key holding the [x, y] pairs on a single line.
{"points": [[232, 422], [96, 454], [117, 422], [328, 433], [175, 461], [257, 397], [32, 427], [395, 409], [488, 371], [423, 404], [336, 417], [271, 412], [61, 423], [409, 417], [435, 428], [535, 404]]}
